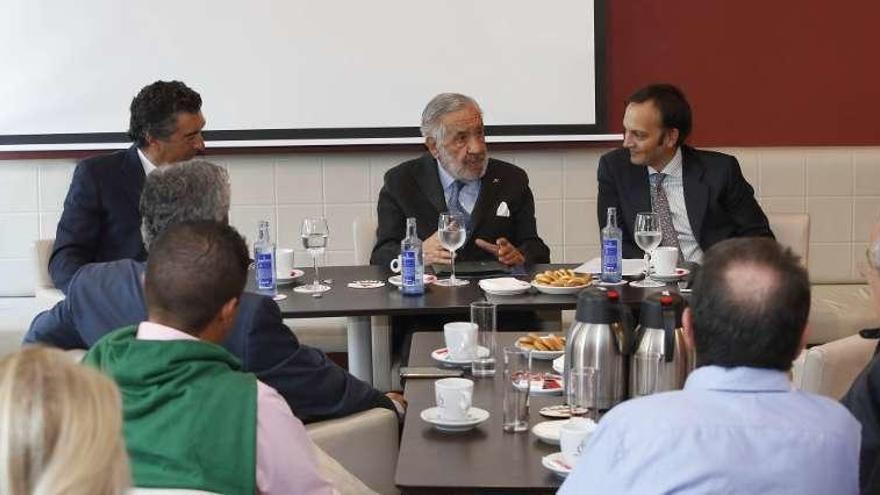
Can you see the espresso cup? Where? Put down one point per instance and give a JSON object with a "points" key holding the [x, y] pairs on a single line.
{"points": [[284, 263], [665, 260], [572, 437], [395, 265], [461, 340], [453, 396]]}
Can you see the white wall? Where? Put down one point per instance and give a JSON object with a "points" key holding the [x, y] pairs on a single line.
{"points": [[838, 187]]}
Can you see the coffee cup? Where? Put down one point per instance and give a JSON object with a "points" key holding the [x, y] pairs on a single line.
{"points": [[665, 260], [453, 396], [284, 263], [395, 265], [461, 340], [572, 437]]}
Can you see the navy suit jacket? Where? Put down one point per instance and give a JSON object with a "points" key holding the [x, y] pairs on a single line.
{"points": [[720, 203], [413, 189], [107, 296], [101, 220]]}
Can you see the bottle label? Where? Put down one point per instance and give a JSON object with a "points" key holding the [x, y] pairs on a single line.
{"points": [[265, 271], [408, 267], [610, 255]]}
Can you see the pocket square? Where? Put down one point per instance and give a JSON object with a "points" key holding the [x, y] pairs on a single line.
{"points": [[503, 210]]}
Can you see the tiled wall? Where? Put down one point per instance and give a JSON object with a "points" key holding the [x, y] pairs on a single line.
{"points": [[838, 187]]}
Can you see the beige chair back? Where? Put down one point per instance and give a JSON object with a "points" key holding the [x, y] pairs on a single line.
{"points": [[829, 369], [43, 251], [364, 235], [792, 230]]}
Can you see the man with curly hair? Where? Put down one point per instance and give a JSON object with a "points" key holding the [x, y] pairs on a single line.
{"points": [[101, 221]]}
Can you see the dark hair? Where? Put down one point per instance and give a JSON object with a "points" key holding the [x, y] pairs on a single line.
{"points": [[154, 110], [750, 305], [675, 111], [193, 269]]}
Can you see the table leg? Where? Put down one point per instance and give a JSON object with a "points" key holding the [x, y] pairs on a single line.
{"points": [[360, 359], [381, 340]]}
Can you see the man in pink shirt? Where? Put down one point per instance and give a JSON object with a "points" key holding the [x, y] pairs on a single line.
{"points": [[193, 419]]}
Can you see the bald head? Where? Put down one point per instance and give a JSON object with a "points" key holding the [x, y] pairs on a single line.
{"points": [[750, 305]]}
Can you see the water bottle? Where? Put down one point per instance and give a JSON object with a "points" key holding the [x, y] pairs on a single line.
{"points": [[264, 259], [412, 267], [612, 255]]}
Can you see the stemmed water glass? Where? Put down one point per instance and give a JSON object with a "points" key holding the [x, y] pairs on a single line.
{"points": [[314, 233], [452, 231], [648, 236]]}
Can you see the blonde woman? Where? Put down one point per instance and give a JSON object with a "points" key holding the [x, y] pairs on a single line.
{"points": [[60, 427]]}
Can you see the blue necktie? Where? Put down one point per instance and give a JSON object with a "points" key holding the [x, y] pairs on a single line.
{"points": [[455, 206]]}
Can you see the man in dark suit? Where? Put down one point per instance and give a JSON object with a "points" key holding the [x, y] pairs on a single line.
{"points": [[458, 176], [700, 197], [100, 221], [103, 297]]}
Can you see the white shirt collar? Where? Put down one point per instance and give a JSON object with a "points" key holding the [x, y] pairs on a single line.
{"points": [[673, 168], [145, 162]]}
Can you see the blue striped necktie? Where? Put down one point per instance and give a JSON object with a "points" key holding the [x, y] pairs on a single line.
{"points": [[455, 206]]}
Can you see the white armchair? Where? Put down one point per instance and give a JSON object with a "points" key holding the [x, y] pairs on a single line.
{"points": [[829, 369]]}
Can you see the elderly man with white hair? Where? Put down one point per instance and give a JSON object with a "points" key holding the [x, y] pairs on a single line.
{"points": [[457, 175], [863, 398]]}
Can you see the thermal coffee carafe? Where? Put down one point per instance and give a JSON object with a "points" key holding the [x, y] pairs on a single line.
{"points": [[601, 338], [662, 359]]}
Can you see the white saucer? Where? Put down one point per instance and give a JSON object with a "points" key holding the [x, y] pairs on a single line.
{"points": [[475, 416], [537, 385], [396, 281], [513, 287], [442, 355], [554, 463], [559, 364], [548, 431], [679, 274], [295, 274]]}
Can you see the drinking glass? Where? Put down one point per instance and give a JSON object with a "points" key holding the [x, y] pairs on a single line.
{"points": [[517, 382], [483, 314], [582, 389], [646, 373], [452, 231], [314, 233], [648, 236]]}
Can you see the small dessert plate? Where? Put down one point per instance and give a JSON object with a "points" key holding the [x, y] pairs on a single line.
{"points": [[396, 281], [678, 275], [280, 279], [554, 462], [548, 431], [543, 384]]}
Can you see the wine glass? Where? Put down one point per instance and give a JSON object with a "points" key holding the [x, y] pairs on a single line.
{"points": [[314, 233], [452, 231], [648, 236]]}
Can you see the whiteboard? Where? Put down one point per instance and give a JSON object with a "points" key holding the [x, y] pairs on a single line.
{"points": [[284, 72]]}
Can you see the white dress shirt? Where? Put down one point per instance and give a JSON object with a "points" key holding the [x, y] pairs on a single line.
{"points": [[673, 185], [146, 163], [468, 194]]}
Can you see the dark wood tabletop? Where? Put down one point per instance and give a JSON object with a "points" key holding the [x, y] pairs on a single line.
{"points": [[483, 460], [342, 300]]}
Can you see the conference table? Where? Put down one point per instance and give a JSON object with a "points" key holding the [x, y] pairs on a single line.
{"points": [[485, 459], [367, 310]]}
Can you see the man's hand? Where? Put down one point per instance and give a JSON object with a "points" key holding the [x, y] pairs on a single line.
{"points": [[399, 402], [434, 251], [506, 252]]}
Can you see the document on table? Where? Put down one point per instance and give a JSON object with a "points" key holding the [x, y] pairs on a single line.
{"points": [[634, 266]]}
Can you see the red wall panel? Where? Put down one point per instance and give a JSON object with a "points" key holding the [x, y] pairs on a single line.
{"points": [[757, 72]]}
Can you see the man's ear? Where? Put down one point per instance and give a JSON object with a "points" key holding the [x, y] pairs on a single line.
{"points": [[687, 321], [670, 138], [229, 310], [431, 144]]}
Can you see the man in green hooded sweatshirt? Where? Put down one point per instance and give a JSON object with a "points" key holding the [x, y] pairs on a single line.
{"points": [[193, 419]]}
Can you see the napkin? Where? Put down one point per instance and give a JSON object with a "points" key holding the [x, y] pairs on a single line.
{"points": [[503, 283]]}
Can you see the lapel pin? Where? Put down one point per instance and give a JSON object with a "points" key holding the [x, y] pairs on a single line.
{"points": [[496, 180]]}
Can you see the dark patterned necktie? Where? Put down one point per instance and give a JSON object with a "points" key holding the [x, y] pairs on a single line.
{"points": [[455, 206], [660, 205]]}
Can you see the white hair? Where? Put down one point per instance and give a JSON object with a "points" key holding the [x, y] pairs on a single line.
{"points": [[440, 105]]}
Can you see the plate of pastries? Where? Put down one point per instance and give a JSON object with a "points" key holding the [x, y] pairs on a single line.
{"points": [[562, 281], [547, 346]]}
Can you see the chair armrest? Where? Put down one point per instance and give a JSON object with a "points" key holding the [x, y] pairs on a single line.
{"points": [[366, 444], [829, 369]]}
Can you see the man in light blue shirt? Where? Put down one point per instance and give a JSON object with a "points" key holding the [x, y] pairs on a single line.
{"points": [[738, 426]]}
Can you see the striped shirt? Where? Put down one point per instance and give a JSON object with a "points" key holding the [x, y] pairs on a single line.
{"points": [[673, 185]]}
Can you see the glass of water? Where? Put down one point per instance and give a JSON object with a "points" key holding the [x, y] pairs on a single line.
{"points": [[452, 231], [483, 314], [582, 392], [314, 233], [648, 236]]}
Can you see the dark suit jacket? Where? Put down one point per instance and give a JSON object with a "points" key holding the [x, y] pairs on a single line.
{"points": [[106, 296], [413, 189], [101, 220], [720, 203], [863, 401]]}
